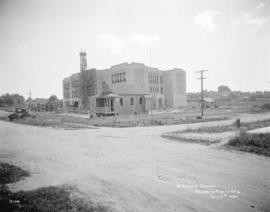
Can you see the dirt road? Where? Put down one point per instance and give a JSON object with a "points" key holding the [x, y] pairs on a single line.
{"points": [[134, 169]]}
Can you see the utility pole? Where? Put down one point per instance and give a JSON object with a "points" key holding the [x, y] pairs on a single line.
{"points": [[201, 78], [30, 99]]}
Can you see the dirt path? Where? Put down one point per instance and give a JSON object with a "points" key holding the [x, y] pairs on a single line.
{"points": [[134, 169]]}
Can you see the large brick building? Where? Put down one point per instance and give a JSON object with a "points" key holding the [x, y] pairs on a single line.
{"points": [[123, 89]]}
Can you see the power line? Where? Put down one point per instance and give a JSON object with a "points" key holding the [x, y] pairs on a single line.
{"points": [[202, 98]]}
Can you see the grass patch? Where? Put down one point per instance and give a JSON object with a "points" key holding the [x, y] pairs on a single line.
{"points": [[227, 128], [259, 108], [51, 122], [190, 140], [53, 199], [258, 143], [76, 122], [10, 173]]}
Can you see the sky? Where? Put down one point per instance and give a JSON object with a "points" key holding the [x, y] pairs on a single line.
{"points": [[40, 41]]}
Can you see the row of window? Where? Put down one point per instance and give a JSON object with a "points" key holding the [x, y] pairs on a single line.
{"points": [[156, 90], [131, 101], [154, 79], [88, 91], [119, 77], [74, 94], [66, 95], [181, 85], [66, 86], [139, 76], [75, 83]]}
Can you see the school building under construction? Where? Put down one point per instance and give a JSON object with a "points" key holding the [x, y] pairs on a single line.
{"points": [[123, 89]]}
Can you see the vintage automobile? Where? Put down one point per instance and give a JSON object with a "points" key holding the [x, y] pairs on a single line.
{"points": [[19, 113]]}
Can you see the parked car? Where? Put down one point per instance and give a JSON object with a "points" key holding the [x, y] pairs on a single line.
{"points": [[19, 113]]}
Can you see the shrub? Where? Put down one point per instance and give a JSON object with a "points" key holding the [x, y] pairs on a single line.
{"points": [[10, 173], [256, 143], [266, 106]]}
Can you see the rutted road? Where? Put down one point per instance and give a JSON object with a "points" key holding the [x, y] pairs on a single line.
{"points": [[134, 169]]}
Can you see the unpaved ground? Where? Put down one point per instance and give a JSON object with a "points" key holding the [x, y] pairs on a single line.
{"points": [[134, 169]]}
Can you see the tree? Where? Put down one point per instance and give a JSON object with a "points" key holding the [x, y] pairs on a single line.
{"points": [[53, 98], [52, 103], [224, 89], [19, 100], [12, 100]]}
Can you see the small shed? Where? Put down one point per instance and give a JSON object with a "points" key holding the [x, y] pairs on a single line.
{"points": [[209, 102]]}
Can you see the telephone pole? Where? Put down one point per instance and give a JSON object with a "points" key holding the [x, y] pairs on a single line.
{"points": [[30, 99], [201, 78]]}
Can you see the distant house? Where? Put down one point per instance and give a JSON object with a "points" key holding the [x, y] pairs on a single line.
{"points": [[39, 104], [209, 102], [196, 103], [42, 104]]}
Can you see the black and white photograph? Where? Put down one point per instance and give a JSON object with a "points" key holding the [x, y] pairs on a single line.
{"points": [[135, 105]]}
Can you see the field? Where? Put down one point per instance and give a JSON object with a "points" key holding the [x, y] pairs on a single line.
{"points": [[225, 111], [69, 162], [228, 128], [75, 121], [135, 169]]}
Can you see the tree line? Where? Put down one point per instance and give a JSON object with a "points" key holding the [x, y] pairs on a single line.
{"points": [[17, 100], [12, 100]]}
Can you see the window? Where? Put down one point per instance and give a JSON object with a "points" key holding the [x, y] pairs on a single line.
{"points": [[66, 95], [140, 100], [118, 77], [161, 80], [100, 102], [66, 86], [103, 84], [121, 101], [161, 90], [131, 101]]}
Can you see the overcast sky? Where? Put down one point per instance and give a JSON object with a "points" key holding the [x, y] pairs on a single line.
{"points": [[40, 40]]}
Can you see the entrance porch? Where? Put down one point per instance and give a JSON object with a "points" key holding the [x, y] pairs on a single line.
{"points": [[107, 105]]}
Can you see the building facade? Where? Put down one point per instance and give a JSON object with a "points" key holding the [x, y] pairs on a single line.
{"points": [[127, 88]]}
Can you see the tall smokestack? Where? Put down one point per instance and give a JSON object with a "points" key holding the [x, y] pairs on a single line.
{"points": [[83, 61]]}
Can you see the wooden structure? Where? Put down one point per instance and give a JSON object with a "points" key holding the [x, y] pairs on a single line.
{"points": [[107, 104]]}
